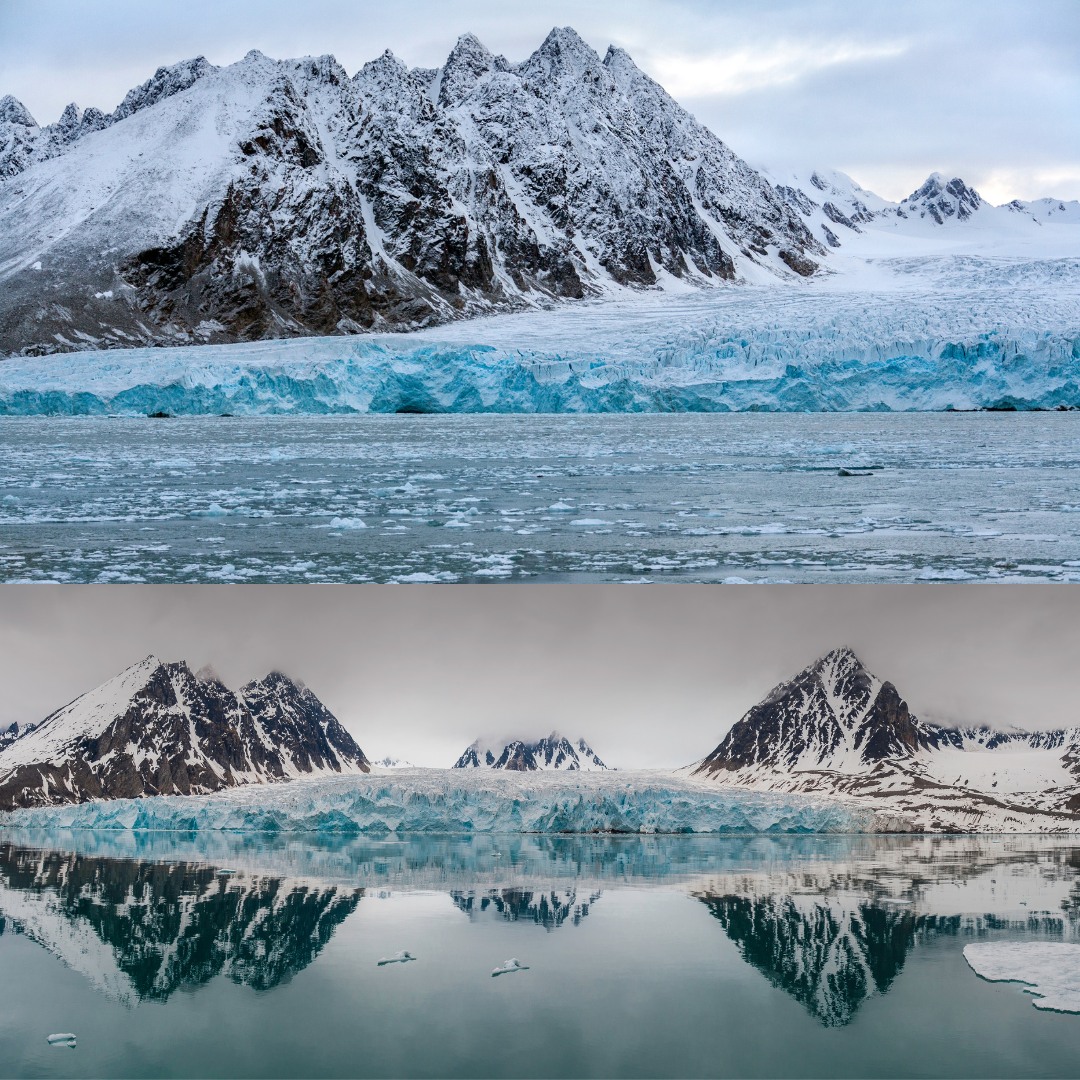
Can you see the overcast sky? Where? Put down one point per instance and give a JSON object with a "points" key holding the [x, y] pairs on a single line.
{"points": [[886, 91], [651, 676]]}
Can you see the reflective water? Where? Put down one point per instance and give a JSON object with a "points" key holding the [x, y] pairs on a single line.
{"points": [[757, 497], [646, 956]]}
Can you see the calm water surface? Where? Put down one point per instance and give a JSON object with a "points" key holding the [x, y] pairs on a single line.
{"points": [[756, 497], [736, 956]]}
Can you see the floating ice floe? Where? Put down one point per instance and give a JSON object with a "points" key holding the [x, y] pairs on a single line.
{"points": [[509, 967], [63, 1039], [400, 957], [1049, 970]]}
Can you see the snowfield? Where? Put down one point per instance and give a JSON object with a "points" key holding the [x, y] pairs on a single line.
{"points": [[473, 801]]}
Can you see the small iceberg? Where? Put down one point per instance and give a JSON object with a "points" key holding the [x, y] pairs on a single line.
{"points": [[226, 870], [510, 966], [1049, 970], [64, 1039], [398, 958]]}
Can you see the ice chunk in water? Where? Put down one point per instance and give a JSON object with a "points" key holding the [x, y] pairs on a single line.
{"points": [[511, 965], [400, 957], [63, 1039], [1050, 970]]}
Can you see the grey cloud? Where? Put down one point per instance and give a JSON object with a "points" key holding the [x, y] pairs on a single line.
{"points": [[650, 676], [986, 90]]}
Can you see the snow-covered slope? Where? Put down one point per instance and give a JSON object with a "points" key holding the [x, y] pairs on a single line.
{"points": [[279, 198], [837, 729], [944, 217], [160, 729], [554, 751]]}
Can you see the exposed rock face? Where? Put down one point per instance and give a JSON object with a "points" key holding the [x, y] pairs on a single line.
{"points": [[941, 199], [837, 729], [833, 714], [516, 755], [158, 729], [279, 198]]}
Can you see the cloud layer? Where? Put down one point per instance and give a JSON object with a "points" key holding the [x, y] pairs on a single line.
{"points": [[886, 92]]}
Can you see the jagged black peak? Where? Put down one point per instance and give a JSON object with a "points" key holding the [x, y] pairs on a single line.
{"points": [[13, 111], [833, 708]]}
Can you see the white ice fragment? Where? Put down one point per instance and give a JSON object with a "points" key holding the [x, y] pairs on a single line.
{"points": [[1049, 970], [347, 523], [510, 966], [399, 957], [226, 870], [588, 521], [63, 1039], [213, 510]]}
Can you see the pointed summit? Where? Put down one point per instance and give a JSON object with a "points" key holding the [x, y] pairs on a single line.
{"points": [[834, 715], [13, 111], [469, 61]]}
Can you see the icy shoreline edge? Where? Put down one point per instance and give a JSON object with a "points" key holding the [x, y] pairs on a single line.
{"points": [[431, 801]]}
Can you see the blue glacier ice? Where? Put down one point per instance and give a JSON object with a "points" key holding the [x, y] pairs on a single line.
{"points": [[455, 801], [967, 335]]}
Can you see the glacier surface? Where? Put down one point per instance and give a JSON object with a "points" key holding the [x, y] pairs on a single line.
{"points": [[964, 332], [459, 801]]}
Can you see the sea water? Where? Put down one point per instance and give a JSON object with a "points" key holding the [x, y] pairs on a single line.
{"points": [[799, 497], [247, 955]]}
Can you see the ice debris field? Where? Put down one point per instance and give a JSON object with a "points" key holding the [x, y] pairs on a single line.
{"points": [[963, 332], [455, 801]]}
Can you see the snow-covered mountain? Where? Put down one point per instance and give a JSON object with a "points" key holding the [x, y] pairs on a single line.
{"points": [[553, 752], [836, 210], [159, 729], [279, 198], [837, 729]]}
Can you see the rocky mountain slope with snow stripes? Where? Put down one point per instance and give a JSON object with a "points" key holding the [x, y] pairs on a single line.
{"points": [[159, 729]]}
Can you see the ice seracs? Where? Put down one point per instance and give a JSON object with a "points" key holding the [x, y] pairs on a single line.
{"points": [[554, 751], [157, 728]]}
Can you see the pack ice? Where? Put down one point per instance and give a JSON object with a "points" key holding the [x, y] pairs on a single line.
{"points": [[473, 801], [1050, 970]]}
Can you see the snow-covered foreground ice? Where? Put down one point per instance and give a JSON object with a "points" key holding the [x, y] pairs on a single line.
{"points": [[459, 801], [1050, 970], [748, 496], [961, 332]]}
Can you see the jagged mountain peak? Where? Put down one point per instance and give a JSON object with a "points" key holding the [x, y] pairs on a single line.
{"points": [[941, 199], [469, 61], [13, 111], [553, 752], [158, 728]]}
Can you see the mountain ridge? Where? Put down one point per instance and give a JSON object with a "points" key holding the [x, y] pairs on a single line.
{"points": [[158, 728]]}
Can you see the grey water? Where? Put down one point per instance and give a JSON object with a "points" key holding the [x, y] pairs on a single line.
{"points": [[743, 497], [233, 955]]}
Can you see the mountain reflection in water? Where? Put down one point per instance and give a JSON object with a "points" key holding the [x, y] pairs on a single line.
{"points": [[547, 909], [167, 925]]}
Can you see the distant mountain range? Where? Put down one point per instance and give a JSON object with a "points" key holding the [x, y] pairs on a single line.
{"points": [[160, 729], [284, 198], [837, 729], [554, 751]]}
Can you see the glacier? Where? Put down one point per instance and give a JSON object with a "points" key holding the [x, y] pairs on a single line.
{"points": [[964, 332], [459, 801]]}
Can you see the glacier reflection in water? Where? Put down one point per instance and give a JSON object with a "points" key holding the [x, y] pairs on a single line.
{"points": [[646, 955]]}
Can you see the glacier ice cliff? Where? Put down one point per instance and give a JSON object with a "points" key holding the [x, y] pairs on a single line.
{"points": [[454, 801], [994, 337]]}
